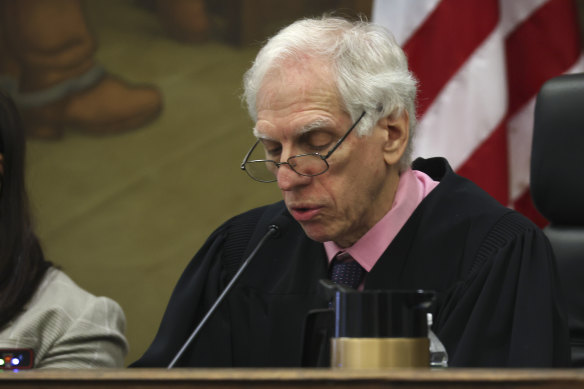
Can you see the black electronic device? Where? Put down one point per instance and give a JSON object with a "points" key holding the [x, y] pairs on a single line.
{"points": [[16, 358]]}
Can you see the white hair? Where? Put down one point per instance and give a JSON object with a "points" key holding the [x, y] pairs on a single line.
{"points": [[370, 68]]}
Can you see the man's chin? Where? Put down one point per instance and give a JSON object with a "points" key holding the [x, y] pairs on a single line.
{"points": [[316, 232]]}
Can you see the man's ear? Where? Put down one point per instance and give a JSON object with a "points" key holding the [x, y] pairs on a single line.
{"points": [[396, 133]]}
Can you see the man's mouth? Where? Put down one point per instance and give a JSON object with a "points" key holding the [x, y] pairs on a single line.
{"points": [[304, 213]]}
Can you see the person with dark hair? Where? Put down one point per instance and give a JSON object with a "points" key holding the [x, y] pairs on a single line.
{"points": [[41, 308]]}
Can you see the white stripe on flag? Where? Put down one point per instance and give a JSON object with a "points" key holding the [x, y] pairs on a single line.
{"points": [[402, 17], [515, 12], [469, 107]]}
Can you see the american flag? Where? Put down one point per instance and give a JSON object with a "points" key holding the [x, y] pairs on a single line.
{"points": [[480, 64]]}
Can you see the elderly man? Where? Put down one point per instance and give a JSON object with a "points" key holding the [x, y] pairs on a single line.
{"points": [[334, 110]]}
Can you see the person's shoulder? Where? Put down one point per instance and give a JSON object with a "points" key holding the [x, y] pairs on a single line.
{"points": [[456, 194], [57, 282], [62, 300], [57, 306], [458, 204], [238, 232], [510, 227], [253, 223]]}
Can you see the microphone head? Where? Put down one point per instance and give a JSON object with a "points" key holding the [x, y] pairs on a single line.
{"points": [[279, 225]]}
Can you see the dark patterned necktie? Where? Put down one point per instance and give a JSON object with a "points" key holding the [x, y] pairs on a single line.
{"points": [[346, 271]]}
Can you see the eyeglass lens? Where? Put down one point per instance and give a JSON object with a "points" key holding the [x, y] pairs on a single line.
{"points": [[309, 165]]}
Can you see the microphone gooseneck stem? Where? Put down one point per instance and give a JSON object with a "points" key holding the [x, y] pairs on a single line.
{"points": [[272, 230]]}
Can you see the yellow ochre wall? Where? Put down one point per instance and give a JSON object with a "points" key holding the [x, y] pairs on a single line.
{"points": [[123, 214]]}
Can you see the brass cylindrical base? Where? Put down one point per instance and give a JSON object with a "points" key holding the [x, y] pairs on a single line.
{"points": [[372, 353]]}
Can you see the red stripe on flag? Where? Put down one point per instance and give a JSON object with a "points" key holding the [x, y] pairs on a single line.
{"points": [[488, 166], [444, 42], [545, 45]]}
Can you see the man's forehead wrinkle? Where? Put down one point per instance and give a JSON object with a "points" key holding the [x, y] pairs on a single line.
{"points": [[291, 73]]}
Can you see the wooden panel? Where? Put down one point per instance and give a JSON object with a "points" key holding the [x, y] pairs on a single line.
{"points": [[294, 378]]}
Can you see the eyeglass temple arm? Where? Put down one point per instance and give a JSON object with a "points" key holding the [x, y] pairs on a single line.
{"points": [[344, 136], [248, 154]]}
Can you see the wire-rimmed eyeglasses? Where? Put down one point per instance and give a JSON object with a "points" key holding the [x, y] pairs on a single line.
{"points": [[310, 165]]}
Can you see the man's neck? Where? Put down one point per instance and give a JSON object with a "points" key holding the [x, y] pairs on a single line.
{"points": [[413, 187]]}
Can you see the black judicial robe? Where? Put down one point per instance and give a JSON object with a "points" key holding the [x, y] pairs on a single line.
{"points": [[498, 301]]}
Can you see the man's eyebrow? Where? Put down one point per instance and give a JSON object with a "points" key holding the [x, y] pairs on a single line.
{"points": [[261, 136], [319, 123]]}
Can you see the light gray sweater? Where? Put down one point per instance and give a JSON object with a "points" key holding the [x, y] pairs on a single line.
{"points": [[67, 327]]}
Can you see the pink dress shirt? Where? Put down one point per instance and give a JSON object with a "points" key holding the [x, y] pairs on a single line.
{"points": [[413, 186]]}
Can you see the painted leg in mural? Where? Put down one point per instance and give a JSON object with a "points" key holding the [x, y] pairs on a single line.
{"points": [[48, 47]]}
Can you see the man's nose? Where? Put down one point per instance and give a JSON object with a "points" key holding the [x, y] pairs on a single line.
{"points": [[288, 179]]}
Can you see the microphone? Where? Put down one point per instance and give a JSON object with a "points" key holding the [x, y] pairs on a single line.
{"points": [[275, 230]]}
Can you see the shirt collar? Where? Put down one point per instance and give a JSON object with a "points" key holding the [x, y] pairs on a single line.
{"points": [[412, 188]]}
